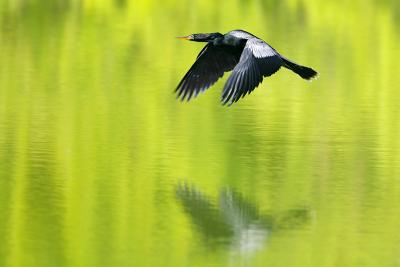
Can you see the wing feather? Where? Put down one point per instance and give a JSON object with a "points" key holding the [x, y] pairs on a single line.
{"points": [[257, 61], [210, 65]]}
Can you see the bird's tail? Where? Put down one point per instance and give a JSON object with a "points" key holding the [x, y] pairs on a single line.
{"points": [[304, 72]]}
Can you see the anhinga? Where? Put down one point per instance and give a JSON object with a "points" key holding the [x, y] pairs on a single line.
{"points": [[250, 58]]}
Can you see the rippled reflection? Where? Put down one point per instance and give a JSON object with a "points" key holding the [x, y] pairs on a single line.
{"points": [[234, 221]]}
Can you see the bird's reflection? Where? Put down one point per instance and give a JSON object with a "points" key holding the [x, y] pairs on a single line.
{"points": [[234, 221]]}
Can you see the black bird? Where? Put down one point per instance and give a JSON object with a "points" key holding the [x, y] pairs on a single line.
{"points": [[250, 58]]}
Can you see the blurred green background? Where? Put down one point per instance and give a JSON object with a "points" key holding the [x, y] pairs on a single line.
{"points": [[101, 166]]}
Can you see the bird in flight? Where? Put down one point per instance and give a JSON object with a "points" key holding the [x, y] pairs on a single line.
{"points": [[250, 59]]}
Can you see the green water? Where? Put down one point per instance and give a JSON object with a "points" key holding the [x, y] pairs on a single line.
{"points": [[101, 166]]}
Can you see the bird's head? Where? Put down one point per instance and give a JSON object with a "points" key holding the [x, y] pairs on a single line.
{"points": [[202, 37]]}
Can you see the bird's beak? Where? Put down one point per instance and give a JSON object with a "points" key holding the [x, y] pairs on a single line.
{"points": [[189, 37]]}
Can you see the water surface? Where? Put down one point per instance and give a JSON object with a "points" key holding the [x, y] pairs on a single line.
{"points": [[101, 166]]}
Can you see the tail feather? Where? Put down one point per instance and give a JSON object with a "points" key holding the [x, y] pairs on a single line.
{"points": [[303, 71]]}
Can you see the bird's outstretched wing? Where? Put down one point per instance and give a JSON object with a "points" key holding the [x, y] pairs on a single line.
{"points": [[258, 60], [210, 65]]}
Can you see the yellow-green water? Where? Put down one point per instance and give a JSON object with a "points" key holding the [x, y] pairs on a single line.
{"points": [[101, 166]]}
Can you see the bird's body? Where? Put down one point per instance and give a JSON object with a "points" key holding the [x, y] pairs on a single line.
{"points": [[250, 59]]}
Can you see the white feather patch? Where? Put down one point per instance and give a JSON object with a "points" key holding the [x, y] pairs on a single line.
{"points": [[260, 49]]}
